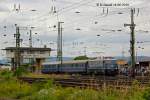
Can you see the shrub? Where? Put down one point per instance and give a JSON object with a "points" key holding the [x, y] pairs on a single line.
{"points": [[146, 94], [14, 89], [20, 71], [6, 74]]}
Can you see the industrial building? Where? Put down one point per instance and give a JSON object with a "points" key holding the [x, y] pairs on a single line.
{"points": [[28, 55]]}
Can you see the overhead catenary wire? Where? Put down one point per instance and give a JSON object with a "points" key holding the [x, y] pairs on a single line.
{"points": [[57, 15], [66, 9], [93, 18], [79, 19], [97, 16]]}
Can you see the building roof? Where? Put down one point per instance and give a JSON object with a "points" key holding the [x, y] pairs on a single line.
{"points": [[28, 49]]}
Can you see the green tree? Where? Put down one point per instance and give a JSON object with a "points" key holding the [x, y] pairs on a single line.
{"points": [[81, 58]]}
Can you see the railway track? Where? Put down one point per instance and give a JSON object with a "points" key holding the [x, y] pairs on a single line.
{"points": [[92, 82]]}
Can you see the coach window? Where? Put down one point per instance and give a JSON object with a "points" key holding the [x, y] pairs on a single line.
{"points": [[73, 65], [77, 65]]}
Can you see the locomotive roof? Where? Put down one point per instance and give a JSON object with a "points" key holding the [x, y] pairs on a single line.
{"points": [[75, 61], [66, 62]]}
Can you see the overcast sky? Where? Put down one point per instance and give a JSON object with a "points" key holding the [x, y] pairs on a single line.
{"points": [[83, 21]]}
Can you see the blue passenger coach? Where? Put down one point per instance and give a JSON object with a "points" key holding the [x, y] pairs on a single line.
{"points": [[108, 67]]}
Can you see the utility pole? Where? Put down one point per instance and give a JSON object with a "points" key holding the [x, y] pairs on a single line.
{"points": [[30, 39], [59, 45], [17, 51], [132, 42], [30, 45]]}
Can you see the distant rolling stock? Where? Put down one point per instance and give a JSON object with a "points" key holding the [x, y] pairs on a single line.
{"points": [[101, 67]]}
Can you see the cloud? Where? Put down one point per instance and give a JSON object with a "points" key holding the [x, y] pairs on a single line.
{"points": [[83, 26], [3, 8]]}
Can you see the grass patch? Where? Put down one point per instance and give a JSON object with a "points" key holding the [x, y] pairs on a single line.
{"points": [[11, 88]]}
